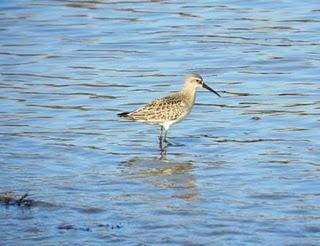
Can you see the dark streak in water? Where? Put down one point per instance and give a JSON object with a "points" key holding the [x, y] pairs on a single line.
{"points": [[36, 75], [19, 54], [221, 105], [275, 112], [243, 94], [83, 67], [16, 64], [249, 140], [81, 108]]}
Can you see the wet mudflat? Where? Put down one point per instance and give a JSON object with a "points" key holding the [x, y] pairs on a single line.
{"points": [[246, 166]]}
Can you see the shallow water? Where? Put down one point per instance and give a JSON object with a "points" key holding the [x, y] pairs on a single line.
{"points": [[246, 167]]}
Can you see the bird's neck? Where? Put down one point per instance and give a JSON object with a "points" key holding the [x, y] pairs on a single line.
{"points": [[189, 94]]}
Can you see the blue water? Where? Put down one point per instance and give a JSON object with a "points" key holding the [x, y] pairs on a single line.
{"points": [[246, 166]]}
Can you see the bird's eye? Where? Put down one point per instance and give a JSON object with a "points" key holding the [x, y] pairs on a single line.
{"points": [[199, 81]]}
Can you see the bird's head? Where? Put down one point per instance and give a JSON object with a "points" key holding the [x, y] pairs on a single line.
{"points": [[195, 80]]}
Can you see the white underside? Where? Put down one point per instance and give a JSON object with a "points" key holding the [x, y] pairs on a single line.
{"points": [[167, 124]]}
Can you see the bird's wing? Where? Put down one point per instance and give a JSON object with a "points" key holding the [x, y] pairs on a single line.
{"points": [[168, 108]]}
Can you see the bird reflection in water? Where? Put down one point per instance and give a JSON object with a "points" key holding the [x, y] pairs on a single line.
{"points": [[171, 175]]}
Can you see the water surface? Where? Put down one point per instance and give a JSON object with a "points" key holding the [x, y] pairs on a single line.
{"points": [[245, 169]]}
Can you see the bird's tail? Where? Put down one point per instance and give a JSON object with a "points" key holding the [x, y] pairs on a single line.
{"points": [[124, 114]]}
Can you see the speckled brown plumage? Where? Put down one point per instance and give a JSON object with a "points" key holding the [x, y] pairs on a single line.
{"points": [[169, 108]]}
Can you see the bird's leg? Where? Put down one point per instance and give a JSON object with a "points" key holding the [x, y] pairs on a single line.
{"points": [[165, 136], [167, 141], [161, 137], [163, 152], [162, 145], [161, 133]]}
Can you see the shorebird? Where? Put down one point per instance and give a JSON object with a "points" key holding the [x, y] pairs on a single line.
{"points": [[170, 109]]}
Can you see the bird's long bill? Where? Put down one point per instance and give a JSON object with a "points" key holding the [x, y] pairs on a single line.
{"points": [[208, 88]]}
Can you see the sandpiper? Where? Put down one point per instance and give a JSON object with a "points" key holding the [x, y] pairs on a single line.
{"points": [[170, 109]]}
